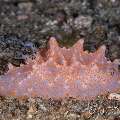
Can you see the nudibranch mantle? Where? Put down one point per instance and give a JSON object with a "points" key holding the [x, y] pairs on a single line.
{"points": [[62, 72]]}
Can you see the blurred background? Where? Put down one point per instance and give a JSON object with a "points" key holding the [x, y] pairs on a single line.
{"points": [[26, 25]]}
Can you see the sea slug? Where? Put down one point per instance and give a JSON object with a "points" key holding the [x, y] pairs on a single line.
{"points": [[61, 72]]}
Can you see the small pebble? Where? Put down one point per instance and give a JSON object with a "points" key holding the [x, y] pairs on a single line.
{"points": [[114, 96]]}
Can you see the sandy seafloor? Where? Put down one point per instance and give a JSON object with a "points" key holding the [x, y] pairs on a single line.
{"points": [[97, 21]]}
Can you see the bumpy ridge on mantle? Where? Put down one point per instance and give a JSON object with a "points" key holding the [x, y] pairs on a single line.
{"points": [[61, 73]]}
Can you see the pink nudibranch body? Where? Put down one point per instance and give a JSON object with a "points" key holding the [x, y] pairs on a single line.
{"points": [[61, 73]]}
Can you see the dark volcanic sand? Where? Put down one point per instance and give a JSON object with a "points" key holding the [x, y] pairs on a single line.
{"points": [[26, 25]]}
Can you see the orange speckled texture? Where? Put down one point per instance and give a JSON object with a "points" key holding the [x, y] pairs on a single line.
{"points": [[61, 73]]}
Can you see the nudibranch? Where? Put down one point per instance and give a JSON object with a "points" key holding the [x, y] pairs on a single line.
{"points": [[62, 72]]}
